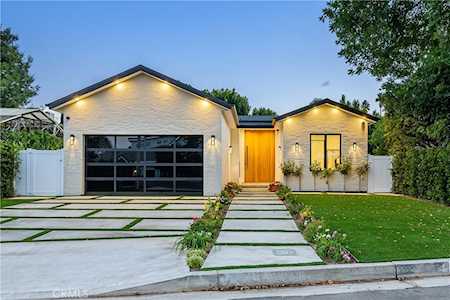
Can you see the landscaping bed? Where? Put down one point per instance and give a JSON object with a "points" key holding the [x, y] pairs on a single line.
{"points": [[203, 232], [384, 228]]}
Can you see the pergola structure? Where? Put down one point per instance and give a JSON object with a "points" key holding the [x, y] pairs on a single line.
{"points": [[17, 119]]}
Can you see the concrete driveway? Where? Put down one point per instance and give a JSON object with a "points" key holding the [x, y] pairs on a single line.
{"points": [[75, 247]]}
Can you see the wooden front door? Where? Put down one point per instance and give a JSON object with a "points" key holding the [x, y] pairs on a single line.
{"points": [[259, 156]]}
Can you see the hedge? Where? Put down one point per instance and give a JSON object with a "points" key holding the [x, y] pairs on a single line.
{"points": [[423, 173], [11, 142]]}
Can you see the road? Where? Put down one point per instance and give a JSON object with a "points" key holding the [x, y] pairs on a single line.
{"points": [[414, 289]]}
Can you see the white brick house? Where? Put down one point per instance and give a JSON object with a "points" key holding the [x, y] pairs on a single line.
{"points": [[143, 132]]}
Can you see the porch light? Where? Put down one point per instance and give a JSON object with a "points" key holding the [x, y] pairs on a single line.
{"points": [[119, 85], [72, 139], [213, 140], [297, 147], [354, 146]]}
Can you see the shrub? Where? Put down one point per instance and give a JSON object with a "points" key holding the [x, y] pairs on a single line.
{"points": [[330, 246], [212, 208], [194, 240], [225, 197], [290, 168], [205, 224], [293, 205], [11, 142], [423, 173], [305, 216], [312, 228], [232, 188], [344, 167], [274, 186], [195, 261], [283, 192], [196, 252]]}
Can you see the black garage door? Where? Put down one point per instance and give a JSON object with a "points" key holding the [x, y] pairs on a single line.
{"points": [[147, 164]]}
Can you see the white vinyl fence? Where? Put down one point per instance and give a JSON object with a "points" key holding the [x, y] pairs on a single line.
{"points": [[41, 173], [379, 177]]}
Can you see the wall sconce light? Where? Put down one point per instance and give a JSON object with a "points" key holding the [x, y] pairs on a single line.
{"points": [[297, 147], [213, 140], [354, 146], [72, 139]]}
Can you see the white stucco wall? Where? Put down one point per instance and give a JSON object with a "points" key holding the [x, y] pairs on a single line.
{"points": [[325, 119], [146, 106]]}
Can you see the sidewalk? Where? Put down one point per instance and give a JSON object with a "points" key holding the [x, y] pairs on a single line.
{"points": [[259, 231]]}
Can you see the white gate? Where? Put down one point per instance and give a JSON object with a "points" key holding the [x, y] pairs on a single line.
{"points": [[40, 173], [379, 177]]}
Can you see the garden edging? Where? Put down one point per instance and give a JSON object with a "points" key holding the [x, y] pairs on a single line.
{"points": [[284, 276]]}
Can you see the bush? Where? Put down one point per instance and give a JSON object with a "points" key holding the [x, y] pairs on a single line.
{"points": [[195, 261], [330, 245], [196, 252], [423, 173], [225, 197], [205, 224], [293, 205], [283, 192], [9, 153], [194, 240], [312, 228], [232, 188]]}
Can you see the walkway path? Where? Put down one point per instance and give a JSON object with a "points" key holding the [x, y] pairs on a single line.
{"points": [[259, 231]]}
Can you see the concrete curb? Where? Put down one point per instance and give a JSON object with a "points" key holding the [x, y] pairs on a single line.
{"points": [[227, 279]]}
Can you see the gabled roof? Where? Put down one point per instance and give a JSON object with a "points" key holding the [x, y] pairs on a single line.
{"points": [[330, 102], [255, 122], [138, 68]]}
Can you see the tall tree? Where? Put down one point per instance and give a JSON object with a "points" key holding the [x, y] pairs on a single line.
{"points": [[233, 97], [405, 43], [363, 105], [263, 111], [16, 83]]}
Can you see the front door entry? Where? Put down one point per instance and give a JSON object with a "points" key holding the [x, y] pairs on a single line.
{"points": [[259, 156]]}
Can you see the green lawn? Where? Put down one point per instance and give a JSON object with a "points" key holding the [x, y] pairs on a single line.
{"points": [[385, 228], [9, 202]]}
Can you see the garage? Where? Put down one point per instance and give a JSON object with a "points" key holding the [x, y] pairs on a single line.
{"points": [[144, 164]]}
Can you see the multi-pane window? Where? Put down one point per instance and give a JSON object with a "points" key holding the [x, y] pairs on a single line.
{"points": [[144, 164], [326, 150]]}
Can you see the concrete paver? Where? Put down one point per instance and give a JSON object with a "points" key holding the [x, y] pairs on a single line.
{"points": [[187, 214], [33, 205], [87, 201], [226, 256], [263, 224], [81, 223], [86, 234], [184, 206], [16, 235], [262, 214], [256, 207], [163, 201], [268, 237], [109, 206], [43, 212], [264, 202], [163, 224]]}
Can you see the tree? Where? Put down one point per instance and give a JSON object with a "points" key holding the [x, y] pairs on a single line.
{"points": [[377, 145], [233, 97], [387, 38], [363, 106], [16, 84], [406, 44], [263, 111]]}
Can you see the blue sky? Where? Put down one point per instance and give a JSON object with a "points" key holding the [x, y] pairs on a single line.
{"points": [[279, 55]]}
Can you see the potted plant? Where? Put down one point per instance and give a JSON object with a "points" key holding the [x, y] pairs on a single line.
{"points": [[315, 169], [326, 174], [289, 168], [344, 168], [362, 170]]}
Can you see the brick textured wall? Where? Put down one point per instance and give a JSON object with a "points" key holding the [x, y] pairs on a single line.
{"points": [[142, 105], [325, 119]]}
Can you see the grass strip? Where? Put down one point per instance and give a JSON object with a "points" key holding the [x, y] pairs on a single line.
{"points": [[10, 202], [262, 266], [30, 238], [161, 206], [88, 229], [91, 213], [132, 224], [58, 206], [7, 220]]}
